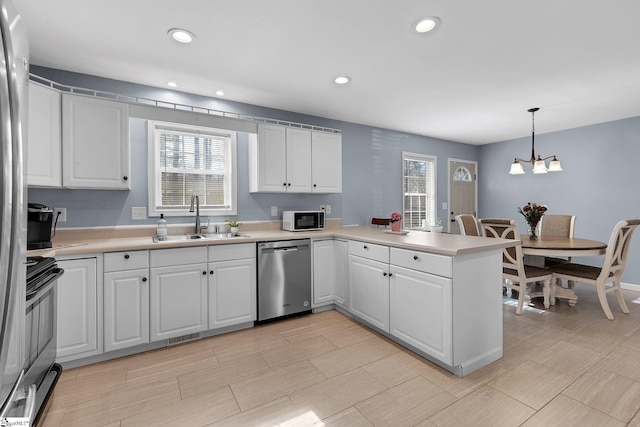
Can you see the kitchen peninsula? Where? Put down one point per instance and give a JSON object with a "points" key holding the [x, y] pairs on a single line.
{"points": [[437, 294]]}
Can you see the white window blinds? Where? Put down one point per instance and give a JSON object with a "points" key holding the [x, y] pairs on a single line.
{"points": [[190, 160], [419, 190]]}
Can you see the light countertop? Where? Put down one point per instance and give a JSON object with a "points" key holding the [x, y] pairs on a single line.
{"points": [[97, 240]]}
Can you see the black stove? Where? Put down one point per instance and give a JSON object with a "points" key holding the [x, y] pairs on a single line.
{"points": [[40, 272]]}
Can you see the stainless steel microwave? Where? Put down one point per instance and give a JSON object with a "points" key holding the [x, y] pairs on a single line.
{"points": [[302, 220]]}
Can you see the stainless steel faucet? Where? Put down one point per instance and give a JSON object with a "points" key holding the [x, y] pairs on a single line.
{"points": [[195, 200]]}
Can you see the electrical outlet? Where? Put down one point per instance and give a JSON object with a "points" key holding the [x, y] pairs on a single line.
{"points": [[138, 212], [60, 213], [328, 210], [274, 211]]}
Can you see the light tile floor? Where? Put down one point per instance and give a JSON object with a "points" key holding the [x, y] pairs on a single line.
{"points": [[567, 366]]}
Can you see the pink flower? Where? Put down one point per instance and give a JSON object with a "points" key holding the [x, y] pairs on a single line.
{"points": [[395, 216], [532, 212]]}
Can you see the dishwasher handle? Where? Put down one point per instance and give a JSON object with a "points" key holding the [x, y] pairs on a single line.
{"points": [[279, 250]]}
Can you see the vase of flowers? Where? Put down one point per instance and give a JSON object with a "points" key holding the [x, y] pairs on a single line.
{"points": [[395, 221], [532, 213]]}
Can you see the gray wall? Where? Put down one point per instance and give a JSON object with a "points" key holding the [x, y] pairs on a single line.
{"points": [[599, 183], [371, 165]]}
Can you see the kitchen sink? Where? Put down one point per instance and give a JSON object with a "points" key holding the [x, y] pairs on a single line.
{"points": [[185, 237]]}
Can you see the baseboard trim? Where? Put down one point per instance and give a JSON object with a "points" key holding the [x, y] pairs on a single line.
{"points": [[630, 286]]}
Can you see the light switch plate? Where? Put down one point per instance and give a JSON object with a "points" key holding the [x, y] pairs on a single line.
{"points": [[274, 211], [444, 206], [328, 210], [138, 212]]}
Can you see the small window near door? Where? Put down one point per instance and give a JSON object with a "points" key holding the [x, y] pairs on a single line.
{"points": [[462, 174], [419, 190], [184, 160]]}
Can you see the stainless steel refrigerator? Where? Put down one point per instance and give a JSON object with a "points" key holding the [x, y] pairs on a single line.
{"points": [[14, 84]]}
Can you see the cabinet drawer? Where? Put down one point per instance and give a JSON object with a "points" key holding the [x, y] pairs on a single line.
{"points": [[440, 265], [369, 251], [126, 260], [178, 256], [232, 252]]}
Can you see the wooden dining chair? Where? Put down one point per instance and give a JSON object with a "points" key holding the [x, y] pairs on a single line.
{"points": [[515, 274], [557, 226], [468, 225], [615, 260]]}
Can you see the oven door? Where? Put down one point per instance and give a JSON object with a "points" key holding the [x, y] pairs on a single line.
{"points": [[41, 332]]}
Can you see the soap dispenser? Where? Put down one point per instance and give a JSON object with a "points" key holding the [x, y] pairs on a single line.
{"points": [[162, 227]]}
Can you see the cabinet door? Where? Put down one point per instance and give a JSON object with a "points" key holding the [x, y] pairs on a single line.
{"points": [[270, 159], [323, 272], [77, 327], [178, 301], [421, 311], [44, 145], [369, 287], [326, 167], [232, 292], [95, 143], [126, 309], [341, 266], [298, 160]]}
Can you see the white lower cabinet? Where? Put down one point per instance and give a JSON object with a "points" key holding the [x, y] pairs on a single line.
{"points": [[126, 309], [420, 311], [232, 285], [178, 292], [369, 285], [341, 272], [323, 272], [79, 311], [126, 299]]}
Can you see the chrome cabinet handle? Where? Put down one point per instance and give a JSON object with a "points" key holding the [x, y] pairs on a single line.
{"points": [[366, 248], [384, 274], [126, 256], [144, 279], [415, 257]]}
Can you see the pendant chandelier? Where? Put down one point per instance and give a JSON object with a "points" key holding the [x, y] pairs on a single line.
{"points": [[538, 163]]}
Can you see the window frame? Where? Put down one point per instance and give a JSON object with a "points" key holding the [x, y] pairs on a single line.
{"points": [[154, 185], [430, 215]]}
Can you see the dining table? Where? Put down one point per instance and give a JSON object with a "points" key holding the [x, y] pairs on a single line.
{"points": [[535, 251]]}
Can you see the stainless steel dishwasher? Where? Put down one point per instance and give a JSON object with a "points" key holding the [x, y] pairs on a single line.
{"points": [[284, 278]]}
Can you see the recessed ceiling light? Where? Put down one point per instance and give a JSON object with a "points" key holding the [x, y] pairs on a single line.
{"points": [[342, 80], [172, 84], [425, 25], [219, 93], [182, 36]]}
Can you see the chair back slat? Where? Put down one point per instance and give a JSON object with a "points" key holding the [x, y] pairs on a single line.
{"points": [[468, 225], [616, 256], [505, 229], [557, 225]]}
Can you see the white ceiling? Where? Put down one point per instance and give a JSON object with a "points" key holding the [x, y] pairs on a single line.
{"points": [[472, 80]]}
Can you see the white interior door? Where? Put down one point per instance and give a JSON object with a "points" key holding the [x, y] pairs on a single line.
{"points": [[463, 191]]}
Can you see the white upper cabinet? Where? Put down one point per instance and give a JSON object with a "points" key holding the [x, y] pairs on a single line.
{"points": [[298, 160], [95, 152], [44, 138], [293, 160], [326, 162]]}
